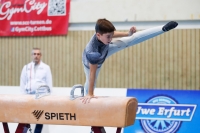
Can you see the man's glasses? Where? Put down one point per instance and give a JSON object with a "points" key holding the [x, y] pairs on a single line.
{"points": [[36, 54]]}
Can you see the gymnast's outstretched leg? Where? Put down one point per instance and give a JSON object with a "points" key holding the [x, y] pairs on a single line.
{"points": [[139, 37]]}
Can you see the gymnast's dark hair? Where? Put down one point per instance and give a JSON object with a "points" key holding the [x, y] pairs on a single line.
{"points": [[104, 26]]}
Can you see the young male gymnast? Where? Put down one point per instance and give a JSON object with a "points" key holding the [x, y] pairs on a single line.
{"points": [[100, 48]]}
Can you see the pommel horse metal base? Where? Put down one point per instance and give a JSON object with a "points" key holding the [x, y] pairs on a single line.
{"points": [[60, 110]]}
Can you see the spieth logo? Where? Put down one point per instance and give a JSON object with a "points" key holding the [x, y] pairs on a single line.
{"points": [[37, 113], [163, 114], [54, 116]]}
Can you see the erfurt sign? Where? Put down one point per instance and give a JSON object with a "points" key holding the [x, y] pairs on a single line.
{"points": [[165, 111], [34, 17]]}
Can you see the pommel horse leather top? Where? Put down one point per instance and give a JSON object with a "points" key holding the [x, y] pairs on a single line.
{"points": [[60, 110]]}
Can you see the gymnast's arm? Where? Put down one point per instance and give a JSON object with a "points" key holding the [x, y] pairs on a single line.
{"points": [[124, 34], [93, 69], [90, 95]]}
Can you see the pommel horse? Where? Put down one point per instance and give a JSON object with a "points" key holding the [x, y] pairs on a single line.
{"points": [[60, 110]]}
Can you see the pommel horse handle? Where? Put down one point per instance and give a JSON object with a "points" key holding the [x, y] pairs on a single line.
{"points": [[39, 94], [72, 96]]}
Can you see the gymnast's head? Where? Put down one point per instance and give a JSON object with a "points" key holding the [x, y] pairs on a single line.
{"points": [[104, 30], [36, 55]]}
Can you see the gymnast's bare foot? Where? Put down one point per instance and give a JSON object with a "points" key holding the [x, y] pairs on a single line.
{"points": [[170, 25], [86, 99]]}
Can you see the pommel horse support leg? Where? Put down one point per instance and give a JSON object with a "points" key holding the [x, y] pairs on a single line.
{"points": [[60, 110]]}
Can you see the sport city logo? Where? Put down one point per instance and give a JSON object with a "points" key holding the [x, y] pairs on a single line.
{"points": [[162, 114], [37, 113]]}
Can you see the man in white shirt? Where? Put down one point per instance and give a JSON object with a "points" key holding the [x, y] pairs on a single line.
{"points": [[33, 75]]}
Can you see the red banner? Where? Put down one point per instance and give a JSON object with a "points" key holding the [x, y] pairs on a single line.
{"points": [[34, 17]]}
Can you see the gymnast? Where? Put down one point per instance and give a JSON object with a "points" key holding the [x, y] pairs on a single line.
{"points": [[101, 46]]}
